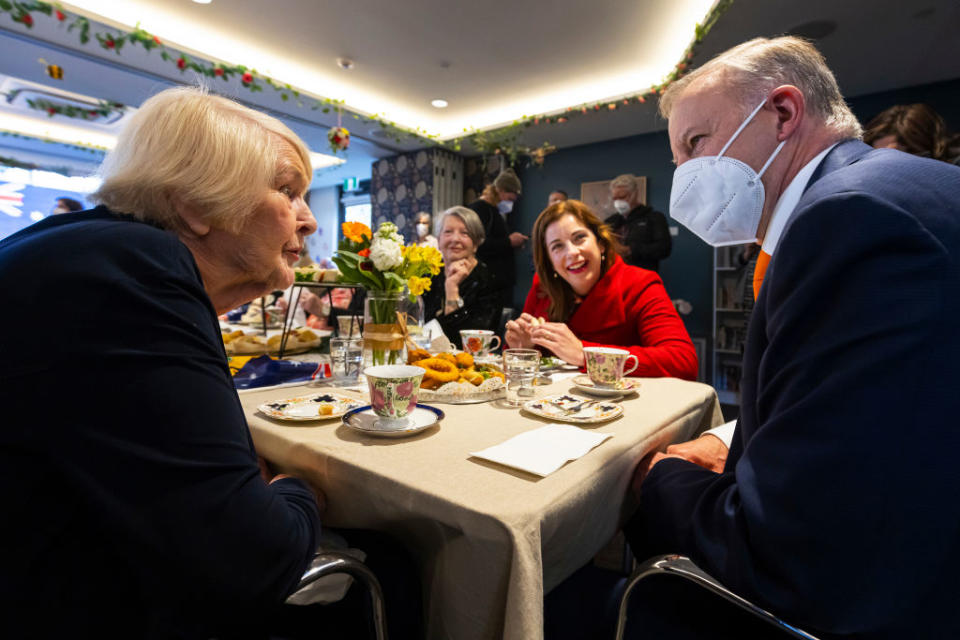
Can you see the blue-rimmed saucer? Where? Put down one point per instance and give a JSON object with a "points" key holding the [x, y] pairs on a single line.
{"points": [[364, 420]]}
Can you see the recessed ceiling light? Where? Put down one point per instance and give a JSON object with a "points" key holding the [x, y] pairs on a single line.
{"points": [[203, 1], [439, 104]]}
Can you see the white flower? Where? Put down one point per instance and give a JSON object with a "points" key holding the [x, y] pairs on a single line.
{"points": [[388, 231], [385, 253]]}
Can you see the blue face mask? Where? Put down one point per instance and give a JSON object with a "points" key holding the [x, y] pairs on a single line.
{"points": [[505, 206]]}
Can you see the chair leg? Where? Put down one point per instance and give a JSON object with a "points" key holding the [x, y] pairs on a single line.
{"points": [[330, 562], [685, 568]]}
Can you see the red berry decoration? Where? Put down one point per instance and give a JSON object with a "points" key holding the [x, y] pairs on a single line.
{"points": [[61, 16], [218, 71], [181, 63], [247, 78], [157, 40], [51, 110], [27, 19], [109, 43]]}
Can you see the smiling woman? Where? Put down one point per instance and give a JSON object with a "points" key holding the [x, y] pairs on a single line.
{"points": [[584, 295], [151, 490]]}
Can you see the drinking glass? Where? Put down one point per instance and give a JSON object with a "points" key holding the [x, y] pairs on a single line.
{"points": [[520, 367], [346, 359]]}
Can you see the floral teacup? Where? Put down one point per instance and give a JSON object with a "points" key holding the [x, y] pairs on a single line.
{"points": [[605, 365], [393, 391], [477, 342]]}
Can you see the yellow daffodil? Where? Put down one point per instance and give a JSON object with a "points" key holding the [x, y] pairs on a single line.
{"points": [[418, 285]]}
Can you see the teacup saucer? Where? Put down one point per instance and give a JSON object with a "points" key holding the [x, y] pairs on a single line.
{"points": [[624, 387], [364, 419]]}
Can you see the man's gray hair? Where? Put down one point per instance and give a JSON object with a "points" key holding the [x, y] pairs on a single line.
{"points": [[626, 181], [755, 68]]}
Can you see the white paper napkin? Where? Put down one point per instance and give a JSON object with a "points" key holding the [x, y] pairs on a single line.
{"points": [[544, 450]]}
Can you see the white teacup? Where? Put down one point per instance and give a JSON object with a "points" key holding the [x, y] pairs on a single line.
{"points": [[605, 365], [479, 342]]}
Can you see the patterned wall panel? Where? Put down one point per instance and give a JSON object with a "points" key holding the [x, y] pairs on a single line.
{"points": [[400, 187]]}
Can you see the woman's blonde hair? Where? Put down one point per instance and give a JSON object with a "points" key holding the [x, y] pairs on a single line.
{"points": [[187, 148], [561, 294]]}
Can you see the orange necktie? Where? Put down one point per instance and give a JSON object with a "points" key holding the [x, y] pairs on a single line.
{"points": [[759, 271]]}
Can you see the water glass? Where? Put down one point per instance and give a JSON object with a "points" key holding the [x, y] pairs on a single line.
{"points": [[520, 367], [346, 359], [349, 326]]}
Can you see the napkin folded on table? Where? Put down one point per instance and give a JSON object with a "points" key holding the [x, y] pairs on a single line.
{"points": [[544, 450]]}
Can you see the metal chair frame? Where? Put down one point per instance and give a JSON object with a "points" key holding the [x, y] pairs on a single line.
{"points": [[683, 567], [331, 562]]}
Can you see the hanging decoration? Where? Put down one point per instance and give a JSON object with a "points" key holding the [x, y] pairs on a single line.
{"points": [[103, 109], [55, 71], [504, 140], [338, 136]]}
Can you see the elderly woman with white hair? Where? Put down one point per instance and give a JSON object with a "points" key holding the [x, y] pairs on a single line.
{"points": [[133, 499], [462, 295]]}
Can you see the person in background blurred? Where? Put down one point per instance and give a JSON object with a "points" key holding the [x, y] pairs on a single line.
{"points": [[462, 295], [66, 205], [641, 230], [590, 298], [557, 195], [914, 128], [495, 209], [424, 237]]}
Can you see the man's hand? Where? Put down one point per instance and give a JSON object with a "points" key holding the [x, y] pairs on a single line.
{"points": [[517, 239], [707, 451]]}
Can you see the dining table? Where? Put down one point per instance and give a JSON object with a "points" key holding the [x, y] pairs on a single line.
{"points": [[490, 540]]}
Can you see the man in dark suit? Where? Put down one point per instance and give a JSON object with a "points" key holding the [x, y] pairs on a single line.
{"points": [[836, 506]]}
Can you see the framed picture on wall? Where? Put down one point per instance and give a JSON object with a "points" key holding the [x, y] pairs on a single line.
{"points": [[596, 195]]}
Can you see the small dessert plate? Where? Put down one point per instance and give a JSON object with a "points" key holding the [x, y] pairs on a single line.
{"points": [[364, 420], [624, 387], [319, 406], [567, 408]]}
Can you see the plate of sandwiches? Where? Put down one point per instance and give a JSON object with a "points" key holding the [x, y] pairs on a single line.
{"points": [[300, 340]]}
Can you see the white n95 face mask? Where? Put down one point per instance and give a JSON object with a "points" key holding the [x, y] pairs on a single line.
{"points": [[505, 206], [622, 206], [720, 199]]}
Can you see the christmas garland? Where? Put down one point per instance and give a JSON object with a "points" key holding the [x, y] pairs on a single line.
{"points": [[103, 108], [504, 140]]}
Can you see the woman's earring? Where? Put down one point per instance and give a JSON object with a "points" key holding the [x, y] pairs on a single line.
{"points": [[555, 274]]}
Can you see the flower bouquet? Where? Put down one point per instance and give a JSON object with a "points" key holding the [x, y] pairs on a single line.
{"points": [[382, 265]]}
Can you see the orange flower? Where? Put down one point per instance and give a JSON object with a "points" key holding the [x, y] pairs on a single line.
{"points": [[364, 252], [356, 231]]}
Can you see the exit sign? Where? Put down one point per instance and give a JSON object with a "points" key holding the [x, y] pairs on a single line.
{"points": [[351, 184]]}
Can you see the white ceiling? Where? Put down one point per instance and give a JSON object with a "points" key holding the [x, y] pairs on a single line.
{"points": [[498, 54]]}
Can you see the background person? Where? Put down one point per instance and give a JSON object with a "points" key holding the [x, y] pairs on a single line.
{"points": [[841, 399], [641, 230], [591, 298], [66, 205], [557, 195], [914, 128], [462, 295], [495, 210], [424, 237]]}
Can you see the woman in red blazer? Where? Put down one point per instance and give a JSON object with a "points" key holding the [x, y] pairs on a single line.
{"points": [[584, 295]]}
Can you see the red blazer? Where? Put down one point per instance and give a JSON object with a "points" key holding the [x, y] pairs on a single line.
{"points": [[629, 309]]}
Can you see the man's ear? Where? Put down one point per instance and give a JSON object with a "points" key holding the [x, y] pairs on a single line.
{"points": [[192, 218], [790, 106]]}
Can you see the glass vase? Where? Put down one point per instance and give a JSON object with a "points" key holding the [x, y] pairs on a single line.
{"points": [[383, 333]]}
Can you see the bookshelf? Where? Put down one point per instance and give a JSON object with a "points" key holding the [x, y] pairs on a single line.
{"points": [[732, 305]]}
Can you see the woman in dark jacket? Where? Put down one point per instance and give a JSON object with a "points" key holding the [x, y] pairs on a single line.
{"points": [[462, 295]]}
